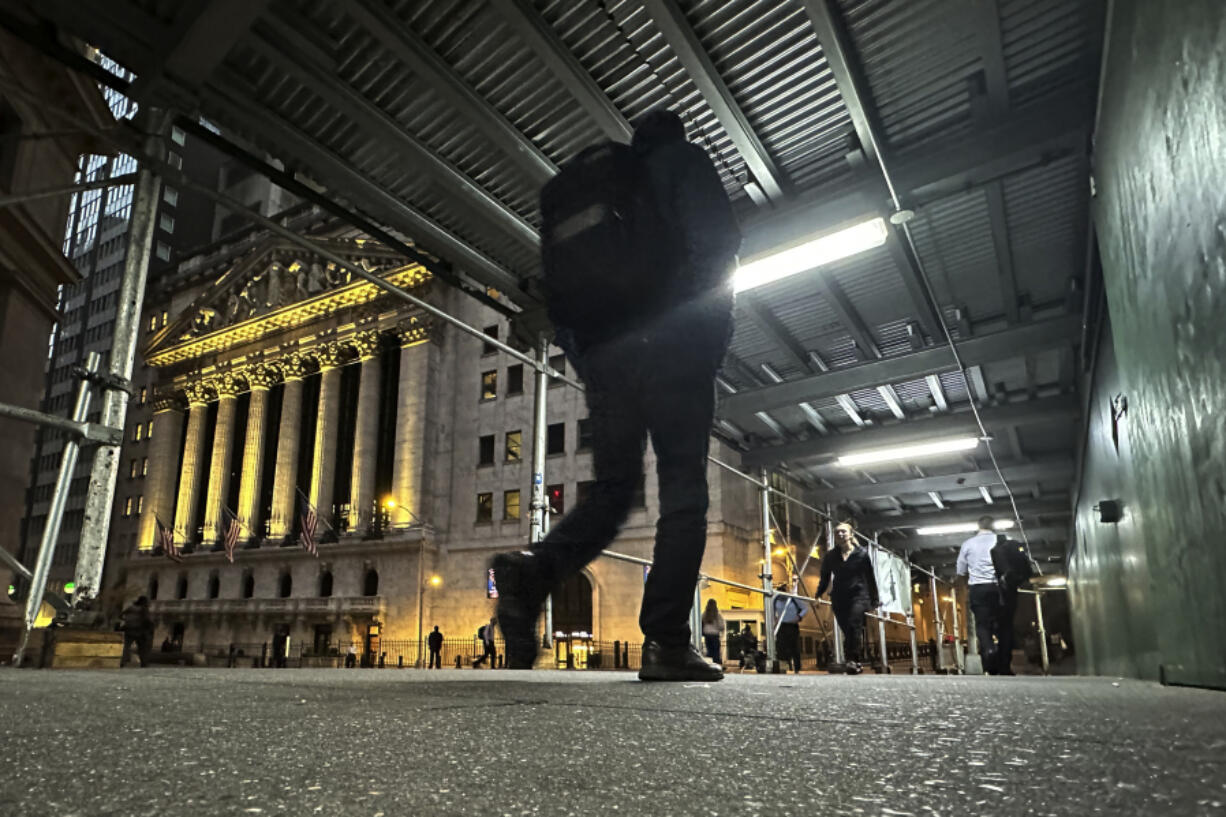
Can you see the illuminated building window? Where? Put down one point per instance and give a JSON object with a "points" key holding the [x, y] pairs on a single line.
{"points": [[127, 507], [149, 430], [163, 252], [140, 504], [485, 450], [138, 433], [488, 348], [144, 466], [485, 507], [144, 395], [515, 441], [489, 385], [133, 468], [557, 499], [170, 196], [167, 222], [555, 439], [153, 323], [177, 136], [515, 379], [510, 505]]}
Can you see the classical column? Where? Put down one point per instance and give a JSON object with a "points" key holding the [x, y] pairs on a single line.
{"points": [[193, 458], [261, 377], [163, 466], [408, 464], [285, 477], [366, 433], [228, 387], [323, 468]]}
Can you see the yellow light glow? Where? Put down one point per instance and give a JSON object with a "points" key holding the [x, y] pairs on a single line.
{"points": [[435, 581], [389, 504], [779, 551]]}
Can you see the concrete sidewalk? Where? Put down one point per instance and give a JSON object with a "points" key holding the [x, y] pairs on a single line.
{"points": [[385, 742]]}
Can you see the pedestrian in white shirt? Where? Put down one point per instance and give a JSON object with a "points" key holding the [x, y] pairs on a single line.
{"points": [[975, 562]]}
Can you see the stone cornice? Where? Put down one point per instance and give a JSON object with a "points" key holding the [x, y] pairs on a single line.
{"points": [[298, 314]]}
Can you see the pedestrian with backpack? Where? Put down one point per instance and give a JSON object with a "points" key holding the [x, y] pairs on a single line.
{"points": [[485, 634], [639, 245], [976, 564], [1013, 568]]}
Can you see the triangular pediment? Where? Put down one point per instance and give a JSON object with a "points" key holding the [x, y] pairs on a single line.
{"points": [[274, 287]]}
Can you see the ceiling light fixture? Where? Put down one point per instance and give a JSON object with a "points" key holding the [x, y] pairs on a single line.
{"points": [[809, 254], [910, 452], [961, 527], [1057, 581]]}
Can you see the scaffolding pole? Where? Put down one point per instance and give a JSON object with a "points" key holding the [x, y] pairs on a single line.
{"points": [[940, 625], [953, 606], [55, 515], [1038, 613], [100, 498], [768, 598], [539, 526]]}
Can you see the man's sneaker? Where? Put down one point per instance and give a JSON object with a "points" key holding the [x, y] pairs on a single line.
{"points": [[853, 668], [521, 592], [684, 663]]}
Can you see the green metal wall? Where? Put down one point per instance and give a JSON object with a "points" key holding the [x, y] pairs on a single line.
{"points": [[1148, 592]]}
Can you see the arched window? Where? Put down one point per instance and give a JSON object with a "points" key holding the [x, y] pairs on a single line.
{"points": [[248, 585], [181, 588], [325, 583], [285, 586], [370, 585], [153, 588], [214, 585]]}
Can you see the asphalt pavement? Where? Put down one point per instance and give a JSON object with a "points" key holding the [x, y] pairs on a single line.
{"points": [[384, 743]]}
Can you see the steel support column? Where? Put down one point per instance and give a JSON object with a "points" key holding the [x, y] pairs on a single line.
{"points": [[100, 499], [768, 598]]}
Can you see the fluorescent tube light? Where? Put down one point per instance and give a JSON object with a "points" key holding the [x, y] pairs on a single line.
{"points": [[1057, 581], [910, 452], [961, 527], [812, 253]]}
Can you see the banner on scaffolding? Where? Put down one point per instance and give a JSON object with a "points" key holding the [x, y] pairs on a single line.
{"points": [[893, 582]]}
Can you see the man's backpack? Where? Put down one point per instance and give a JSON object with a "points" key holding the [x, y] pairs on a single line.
{"points": [[481, 633], [606, 251], [1011, 562]]}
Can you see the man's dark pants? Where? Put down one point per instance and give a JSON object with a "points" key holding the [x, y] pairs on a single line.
{"points": [[144, 646], [985, 604], [1004, 631], [849, 613], [663, 386], [489, 653], [787, 645], [436, 660]]}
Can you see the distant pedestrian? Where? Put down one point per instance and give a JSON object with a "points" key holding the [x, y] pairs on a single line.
{"points": [[712, 630], [853, 594], [435, 642], [788, 613], [749, 648], [351, 657], [137, 626], [486, 634]]}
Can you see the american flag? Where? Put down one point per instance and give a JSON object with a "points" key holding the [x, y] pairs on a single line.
{"points": [[230, 536], [166, 538], [310, 521]]}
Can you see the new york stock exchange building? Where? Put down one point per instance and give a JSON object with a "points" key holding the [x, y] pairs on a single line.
{"points": [[365, 461]]}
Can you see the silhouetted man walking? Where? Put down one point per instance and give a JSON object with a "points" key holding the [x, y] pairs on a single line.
{"points": [[639, 247]]}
